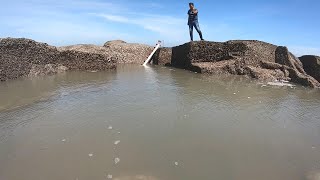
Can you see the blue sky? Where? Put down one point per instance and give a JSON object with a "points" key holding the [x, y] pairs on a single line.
{"points": [[293, 23]]}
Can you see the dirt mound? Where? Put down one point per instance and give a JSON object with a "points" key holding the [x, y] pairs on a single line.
{"points": [[18, 55], [117, 51], [22, 57], [255, 59], [86, 48], [128, 52]]}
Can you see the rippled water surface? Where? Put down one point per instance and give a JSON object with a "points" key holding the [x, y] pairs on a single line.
{"points": [[156, 123]]}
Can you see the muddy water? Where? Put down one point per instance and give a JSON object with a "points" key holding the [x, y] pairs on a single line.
{"points": [[160, 124]]}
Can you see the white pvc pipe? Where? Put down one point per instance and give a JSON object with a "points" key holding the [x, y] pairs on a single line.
{"points": [[155, 49]]}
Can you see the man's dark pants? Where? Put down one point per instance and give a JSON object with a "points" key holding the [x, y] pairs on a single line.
{"points": [[194, 24]]}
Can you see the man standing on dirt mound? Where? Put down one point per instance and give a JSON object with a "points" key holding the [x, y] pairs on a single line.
{"points": [[193, 21]]}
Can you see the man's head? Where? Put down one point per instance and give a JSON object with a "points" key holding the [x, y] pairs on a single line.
{"points": [[191, 5]]}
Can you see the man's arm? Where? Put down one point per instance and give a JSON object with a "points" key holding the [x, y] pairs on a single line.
{"points": [[195, 11]]}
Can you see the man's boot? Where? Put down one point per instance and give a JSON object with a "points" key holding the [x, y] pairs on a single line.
{"points": [[200, 34]]}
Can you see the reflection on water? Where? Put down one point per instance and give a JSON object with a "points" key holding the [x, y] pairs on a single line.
{"points": [[162, 123], [24, 91]]}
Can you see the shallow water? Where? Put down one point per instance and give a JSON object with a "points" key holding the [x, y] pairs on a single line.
{"points": [[157, 124]]}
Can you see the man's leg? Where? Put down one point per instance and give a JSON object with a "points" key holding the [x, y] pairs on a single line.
{"points": [[196, 25], [191, 31]]}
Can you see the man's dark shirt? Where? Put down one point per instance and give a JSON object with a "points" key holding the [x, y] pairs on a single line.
{"points": [[192, 16]]}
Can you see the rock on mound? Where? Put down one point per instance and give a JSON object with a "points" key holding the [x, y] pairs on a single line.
{"points": [[255, 59], [311, 65], [108, 43]]}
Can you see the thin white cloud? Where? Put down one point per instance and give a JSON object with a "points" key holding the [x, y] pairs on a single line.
{"points": [[115, 18], [166, 26]]}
